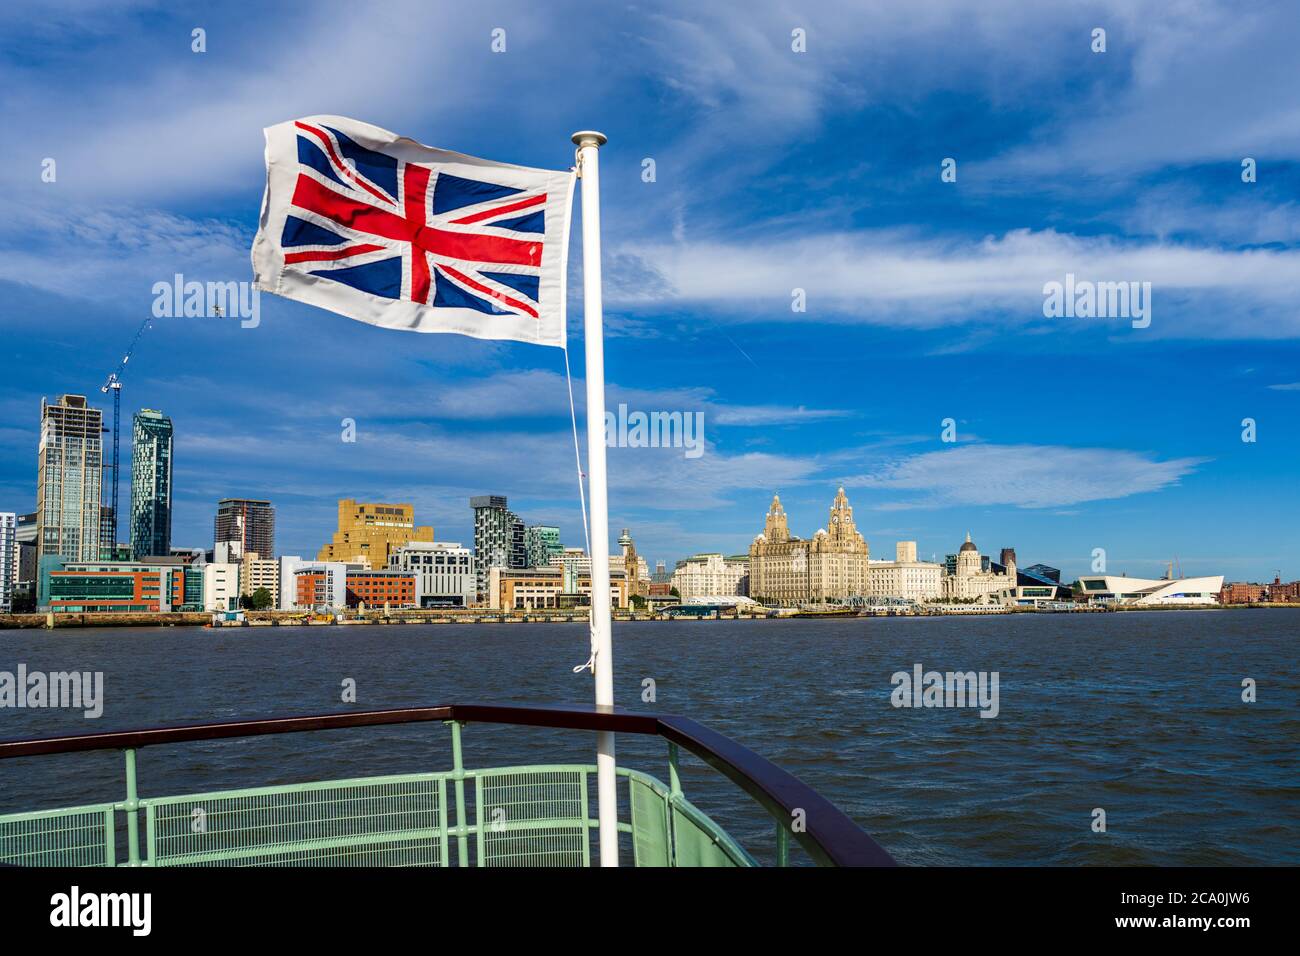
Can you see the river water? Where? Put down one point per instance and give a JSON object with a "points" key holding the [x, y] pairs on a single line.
{"points": [[1138, 714]]}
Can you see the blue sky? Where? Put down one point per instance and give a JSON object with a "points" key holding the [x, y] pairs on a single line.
{"points": [[775, 170]]}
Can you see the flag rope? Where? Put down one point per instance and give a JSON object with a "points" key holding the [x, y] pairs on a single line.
{"points": [[582, 498]]}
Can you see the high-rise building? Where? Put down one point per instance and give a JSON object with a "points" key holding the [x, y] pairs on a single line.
{"points": [[151, 484], [8, 559], [69, 474], [498, 539], [244, 525], [107, 546], [368, 533], [541, 543]]}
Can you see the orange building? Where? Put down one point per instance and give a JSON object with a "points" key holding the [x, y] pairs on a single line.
{"points": [[124, 586], [373, 588]]}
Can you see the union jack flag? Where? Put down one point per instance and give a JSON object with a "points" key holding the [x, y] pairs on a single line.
{"points": [[380, 228]]}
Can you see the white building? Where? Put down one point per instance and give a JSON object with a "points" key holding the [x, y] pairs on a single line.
{"points": [[444, 572], [905, 578], [1117, 589], [8, 559], [971, 581], [322, 584], [256, 572], [287, 598], [221, 587], [711, 575]]}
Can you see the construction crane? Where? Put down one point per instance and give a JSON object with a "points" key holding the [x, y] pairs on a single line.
{"points": [[114, 384]]}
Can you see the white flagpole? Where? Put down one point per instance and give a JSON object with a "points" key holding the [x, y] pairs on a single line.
{"points": [[589, 144]]}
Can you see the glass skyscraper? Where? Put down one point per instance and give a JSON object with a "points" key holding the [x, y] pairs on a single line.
{"points": [[151, 484]]}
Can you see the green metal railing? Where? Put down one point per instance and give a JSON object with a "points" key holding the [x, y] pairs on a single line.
{"points": [[520, 816], [496, 816]]}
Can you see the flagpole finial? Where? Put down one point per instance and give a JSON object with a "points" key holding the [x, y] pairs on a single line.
{"points": [[589, 137]]}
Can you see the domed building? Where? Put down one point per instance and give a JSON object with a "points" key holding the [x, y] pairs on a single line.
{"points": [[831, 567], [970, 580]]}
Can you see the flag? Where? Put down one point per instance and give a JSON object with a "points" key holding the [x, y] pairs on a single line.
{"points": [[384, 230]]}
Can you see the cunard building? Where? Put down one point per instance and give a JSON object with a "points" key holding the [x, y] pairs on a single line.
{"points": [[829, 568]]}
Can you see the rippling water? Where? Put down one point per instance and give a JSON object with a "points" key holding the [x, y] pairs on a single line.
{"points": [[1137, 713]]}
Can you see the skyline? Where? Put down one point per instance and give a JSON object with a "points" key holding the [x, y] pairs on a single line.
{"points": [[775, 171]]}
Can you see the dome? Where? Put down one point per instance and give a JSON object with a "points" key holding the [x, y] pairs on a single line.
{"points": [[968, 545]]}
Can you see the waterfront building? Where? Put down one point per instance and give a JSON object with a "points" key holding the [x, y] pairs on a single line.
{"points": [[547, 588], [157, 585], [220, 586], [151, 484], [321, 584], [1043, 573], [1119, 589], [23, 595], [829, 568], [577, 561], [710, 574], [368, 532], [257, 572], [541, 543], [974, 578], [69, 473], [444, 572], [242, 526], [1280, 593], [905, 578], [8, 559], [287, 598], [633, 565], [498, 539], [661, 575], [382, 588]]}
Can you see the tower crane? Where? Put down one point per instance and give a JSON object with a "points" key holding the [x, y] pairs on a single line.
{"points": [[114, 384]]}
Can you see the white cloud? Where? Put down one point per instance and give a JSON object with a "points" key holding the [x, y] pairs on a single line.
{"points": [[1027, 476], [894, 278]]}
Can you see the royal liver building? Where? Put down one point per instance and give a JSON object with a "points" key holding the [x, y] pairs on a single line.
{"points": [[830, 568]]}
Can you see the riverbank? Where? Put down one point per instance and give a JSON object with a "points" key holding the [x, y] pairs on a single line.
{"points": [[575, 616]]}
